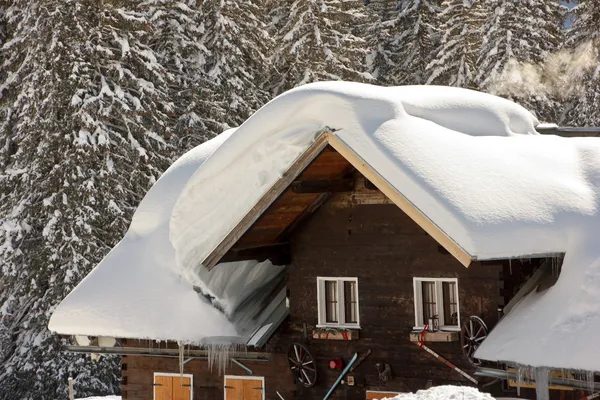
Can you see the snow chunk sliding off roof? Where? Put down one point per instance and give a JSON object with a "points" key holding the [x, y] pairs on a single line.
{"points": [[471, 162]]}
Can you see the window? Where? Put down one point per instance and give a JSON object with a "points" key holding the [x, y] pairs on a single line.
{"points": [[436, 296], [338, 302]]}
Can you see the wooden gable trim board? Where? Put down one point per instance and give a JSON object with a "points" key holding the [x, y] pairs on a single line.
{"points": [[323, 139], [402, 202], [263, 204]]}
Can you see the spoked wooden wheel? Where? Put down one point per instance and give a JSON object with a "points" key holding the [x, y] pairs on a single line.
{"points": [[473, 333], [302, 364]]}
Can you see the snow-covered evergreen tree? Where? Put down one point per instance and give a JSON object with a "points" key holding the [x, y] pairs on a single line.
{"points": [[177, 31], [584, 109], [518, 37], [237, 44], [524, 31], [455, 61], [316, 41], [86, 132], [414, 41], [379, 35]]}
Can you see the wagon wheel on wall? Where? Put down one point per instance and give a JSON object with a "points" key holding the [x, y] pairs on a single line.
{"points": [[302, 364], [473, 333]]}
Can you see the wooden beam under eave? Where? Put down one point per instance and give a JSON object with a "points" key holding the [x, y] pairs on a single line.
{"points": [[398, 198], [265, 202], [323, 186]]}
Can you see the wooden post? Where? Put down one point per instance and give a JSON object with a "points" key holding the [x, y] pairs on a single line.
{"points": [[71, 392]]}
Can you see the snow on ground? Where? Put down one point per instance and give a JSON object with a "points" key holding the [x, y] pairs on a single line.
{"points": [[445, 393], [102, 398], [471, 162]]}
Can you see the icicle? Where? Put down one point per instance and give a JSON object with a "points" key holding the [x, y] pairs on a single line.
{"points": [[541, 383], [518, 380], [589, 377], [220, 354], [181, 360]]}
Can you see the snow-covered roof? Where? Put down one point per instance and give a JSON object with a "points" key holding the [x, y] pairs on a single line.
{"points": [[472, 163]]}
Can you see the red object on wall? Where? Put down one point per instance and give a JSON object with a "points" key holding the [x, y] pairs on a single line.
{"points": [[335, 364]]}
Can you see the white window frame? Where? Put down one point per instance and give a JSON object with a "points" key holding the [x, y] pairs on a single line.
{"points": [[340, 302], [439, 302], [260, 379], [173, 375]]}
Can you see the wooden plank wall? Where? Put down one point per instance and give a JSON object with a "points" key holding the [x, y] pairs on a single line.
{"points": [[360, 235], [208, 384], [385, 249]]}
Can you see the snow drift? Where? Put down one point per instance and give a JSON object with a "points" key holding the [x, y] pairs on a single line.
{"points": [[471, 162], [444, 393]]}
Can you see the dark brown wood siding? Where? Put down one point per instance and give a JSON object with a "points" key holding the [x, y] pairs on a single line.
{"points": [[384, 249], [353, 236], [208, 383]]}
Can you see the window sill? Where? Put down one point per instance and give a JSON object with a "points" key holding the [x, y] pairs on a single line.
{"points": [[335, 333], [442, 328], [439, 336], [321, 326]]}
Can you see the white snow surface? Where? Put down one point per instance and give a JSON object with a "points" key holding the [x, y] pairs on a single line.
{"points": [[135, 291], [444, 393], [471, 162], [405, 133], [101, 398]]}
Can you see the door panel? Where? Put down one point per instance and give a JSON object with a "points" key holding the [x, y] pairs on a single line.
{"points": [[182, 389], [243, 389], [253, 389], [163, 387], [371, 395], [234, 389]]}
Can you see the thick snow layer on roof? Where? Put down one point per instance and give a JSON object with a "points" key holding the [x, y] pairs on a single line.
{"points": [[559, 326], [471, 162], [401, 130], [135, 291], [444, 393]]}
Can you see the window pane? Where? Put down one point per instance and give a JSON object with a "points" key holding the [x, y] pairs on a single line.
{"points": [[331, 306], [350, 302], [428, 300], [450, 303]]}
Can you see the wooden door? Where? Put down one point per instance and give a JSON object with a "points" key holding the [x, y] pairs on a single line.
{"points": [[182, 388], [243, 389], [172, 387], [163, 389], [253, 389], [372, 395], [234, 389]]}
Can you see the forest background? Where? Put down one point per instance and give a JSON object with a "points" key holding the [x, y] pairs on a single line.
{"points": [[98, 97]]}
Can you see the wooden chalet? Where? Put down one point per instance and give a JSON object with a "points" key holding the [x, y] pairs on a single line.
{"points": [[366, 274]]}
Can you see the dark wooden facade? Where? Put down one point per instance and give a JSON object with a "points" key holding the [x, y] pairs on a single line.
{"points": [[332, 223], [384, 249]]}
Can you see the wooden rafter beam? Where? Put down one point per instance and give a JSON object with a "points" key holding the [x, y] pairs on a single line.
{"points": [[323, 186], [265, 202], [402, 202]]}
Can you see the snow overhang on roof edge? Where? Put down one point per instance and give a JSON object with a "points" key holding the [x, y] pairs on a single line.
{"points": [[471, 162]]}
